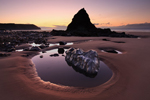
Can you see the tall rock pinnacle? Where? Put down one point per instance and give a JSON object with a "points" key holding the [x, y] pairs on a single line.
{"points": [[81, 22]]}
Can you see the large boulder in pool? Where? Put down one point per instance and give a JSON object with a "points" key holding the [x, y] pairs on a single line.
{"points": [[85, 62]]}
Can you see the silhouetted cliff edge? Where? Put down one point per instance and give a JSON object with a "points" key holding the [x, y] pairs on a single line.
{"points": [[12, 26], [82, 26]]}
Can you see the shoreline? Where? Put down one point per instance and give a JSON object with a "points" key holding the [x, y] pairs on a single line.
{"points": [[129, 80]]}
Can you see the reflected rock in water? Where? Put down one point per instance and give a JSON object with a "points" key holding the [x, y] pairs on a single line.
{"points": [[61, 50], [86, 63], [54, 55]]}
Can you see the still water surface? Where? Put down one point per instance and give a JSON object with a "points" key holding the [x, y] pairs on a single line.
{"points": [[56, 70]]}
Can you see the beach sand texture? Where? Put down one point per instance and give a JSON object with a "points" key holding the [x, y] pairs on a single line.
{"points": [[130, 80]]}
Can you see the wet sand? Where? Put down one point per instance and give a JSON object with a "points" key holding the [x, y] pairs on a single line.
{"points": [[130, 80]]}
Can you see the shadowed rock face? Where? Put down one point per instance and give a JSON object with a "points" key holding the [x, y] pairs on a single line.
{"points": [[81, 22], [13, 26], [82, 26], [86, 63]]}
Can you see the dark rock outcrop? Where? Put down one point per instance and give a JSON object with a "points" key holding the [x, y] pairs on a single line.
{"points": [[59, 33], [13, 26], [86, 63], [81, 22], [82, 26]]}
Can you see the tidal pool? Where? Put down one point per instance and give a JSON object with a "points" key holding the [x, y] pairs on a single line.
{"points": [[56, 70], [111, 51], [19, 50], [51, 44], [34, 44]]}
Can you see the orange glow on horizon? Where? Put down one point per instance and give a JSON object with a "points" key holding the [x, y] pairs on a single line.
{"points": [[49, 13]]}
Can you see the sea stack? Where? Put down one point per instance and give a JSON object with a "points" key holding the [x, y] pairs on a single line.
{"points": [[81, 22], [82, 26]]}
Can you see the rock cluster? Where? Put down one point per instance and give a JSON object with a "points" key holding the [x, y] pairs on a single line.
{"points": [[10, 40], [85, 62], [4, 54]]}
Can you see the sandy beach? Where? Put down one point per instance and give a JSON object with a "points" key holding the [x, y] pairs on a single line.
{"points": [[130, 80]]}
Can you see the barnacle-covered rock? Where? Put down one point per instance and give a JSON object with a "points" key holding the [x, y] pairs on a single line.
{"points": [[84, 62]]}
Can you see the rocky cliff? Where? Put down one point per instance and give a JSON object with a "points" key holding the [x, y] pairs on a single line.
{"points": [[82, 26], [13, 26], [81, 22]]}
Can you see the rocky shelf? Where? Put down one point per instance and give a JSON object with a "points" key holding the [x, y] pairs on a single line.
{"points": [[12, 26]]}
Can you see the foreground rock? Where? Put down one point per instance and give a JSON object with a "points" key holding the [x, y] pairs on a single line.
{"points": [[84, 62]]}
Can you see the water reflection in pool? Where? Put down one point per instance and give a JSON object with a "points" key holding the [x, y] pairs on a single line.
{"points": [[51, 44], [56, 70], [19, 50], [38, 45]]}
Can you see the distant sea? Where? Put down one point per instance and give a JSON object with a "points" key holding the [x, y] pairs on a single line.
{"points": [[130, 30], [118, 30], [34, 30]]}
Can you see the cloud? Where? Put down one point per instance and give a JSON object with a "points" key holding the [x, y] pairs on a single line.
{"points": [[60, 27], [105, 23], [96, 23], [45, 28], [138, 26], [102, 24], [145, 25]]}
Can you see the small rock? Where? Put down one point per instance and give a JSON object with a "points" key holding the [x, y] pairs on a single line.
{"points": [[41, 56], [62, 43], [10, 50], [35, 48], [61, 50], [43, 51], [105, 39], [110, 50]]}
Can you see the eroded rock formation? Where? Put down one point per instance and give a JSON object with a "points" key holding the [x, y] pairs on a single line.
{"points": [[82, 26], [84, 62], [81, 22]]}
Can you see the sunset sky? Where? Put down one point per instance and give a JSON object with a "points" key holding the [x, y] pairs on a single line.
{"points": [[59, 13]]}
